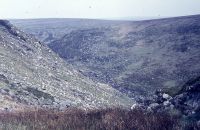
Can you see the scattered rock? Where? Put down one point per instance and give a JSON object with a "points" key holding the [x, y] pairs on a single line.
{"points": [[166, 96], [35, 75]]}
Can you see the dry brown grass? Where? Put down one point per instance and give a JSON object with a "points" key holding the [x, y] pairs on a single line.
{"points": [[76, 119]]}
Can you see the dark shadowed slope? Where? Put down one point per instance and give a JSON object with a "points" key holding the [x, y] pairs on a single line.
{"points": [[134, 57], [32, 74]]}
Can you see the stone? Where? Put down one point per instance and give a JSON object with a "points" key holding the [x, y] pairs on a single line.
{"points": [[134, 106], [166, 96], [154, 105], [166, 103]]}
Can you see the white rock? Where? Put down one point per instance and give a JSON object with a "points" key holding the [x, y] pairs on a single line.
{"points": [[153, 105], [149, 109], [165, 103], [134, 106], [166, 96]]}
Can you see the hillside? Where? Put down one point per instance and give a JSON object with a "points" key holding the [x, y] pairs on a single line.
{"points": [[32, 75], [137, 58], [47, 30]]}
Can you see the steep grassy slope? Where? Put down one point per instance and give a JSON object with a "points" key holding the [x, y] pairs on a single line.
{"points": [[134, 57], [32, 74]]}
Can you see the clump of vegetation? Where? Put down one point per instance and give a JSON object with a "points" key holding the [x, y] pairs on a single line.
{"points": [[76, 119], [40, 94]]}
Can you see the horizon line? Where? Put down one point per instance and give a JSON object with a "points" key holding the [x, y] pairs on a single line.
{"points": [[135, 18]]}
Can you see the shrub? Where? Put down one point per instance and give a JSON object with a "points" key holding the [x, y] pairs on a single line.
{"points": [[76, 119]]}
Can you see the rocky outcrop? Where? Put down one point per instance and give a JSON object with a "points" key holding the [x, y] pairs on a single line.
{"points": [[185, 103], [188, 99]]}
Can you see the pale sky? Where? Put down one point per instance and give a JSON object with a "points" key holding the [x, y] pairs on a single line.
{"points": [[97, 8]]}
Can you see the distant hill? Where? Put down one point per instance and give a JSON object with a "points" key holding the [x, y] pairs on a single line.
{"points": [[47, 30], [33, 75], [135, 57]]}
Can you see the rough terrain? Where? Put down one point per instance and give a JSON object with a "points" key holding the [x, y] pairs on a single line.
{"points": [[33, 75], [137, 58]]}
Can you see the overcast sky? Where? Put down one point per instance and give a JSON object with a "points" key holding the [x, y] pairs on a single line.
{"points": [[106, 9]]}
